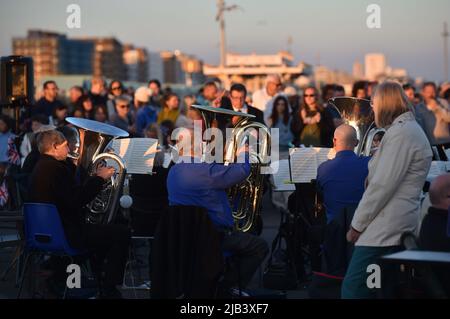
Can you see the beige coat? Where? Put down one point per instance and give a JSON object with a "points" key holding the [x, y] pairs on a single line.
{"points": [[397, 173]]}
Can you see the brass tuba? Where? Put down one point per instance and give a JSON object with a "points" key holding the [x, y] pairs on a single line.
{"points": [[359, 114], [245, 198], [93, 139]]}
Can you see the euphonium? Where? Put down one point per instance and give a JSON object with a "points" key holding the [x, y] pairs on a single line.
{"points": [[359, 114], [93, 138], [245, 198]]}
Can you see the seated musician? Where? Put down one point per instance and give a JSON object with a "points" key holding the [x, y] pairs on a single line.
{"points": [[341, 180], [53, 181], [433, 232], [191, 183]]}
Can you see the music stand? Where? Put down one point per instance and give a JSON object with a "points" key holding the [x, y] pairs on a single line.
{"points": [[303, 165], [138, 155]]}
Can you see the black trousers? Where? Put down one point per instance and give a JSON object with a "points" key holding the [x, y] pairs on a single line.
{"points": [[248, 252], [109, 245]]}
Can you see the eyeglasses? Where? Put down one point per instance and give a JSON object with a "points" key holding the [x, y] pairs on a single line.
{"points": [[310, 95], [123, 106], [116, 88]]}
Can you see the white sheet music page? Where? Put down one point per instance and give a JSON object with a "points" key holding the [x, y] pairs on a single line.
{"points": [[305, 161], [137, 153], [282, 177]]}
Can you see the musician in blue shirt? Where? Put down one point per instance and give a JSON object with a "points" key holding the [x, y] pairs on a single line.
{"points": [[191, 183], [341, 180]]}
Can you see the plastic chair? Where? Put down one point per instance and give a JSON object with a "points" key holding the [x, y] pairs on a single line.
{"points": [[44, 235]]}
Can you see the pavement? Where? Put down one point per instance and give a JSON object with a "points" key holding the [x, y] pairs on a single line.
{"points": [[137, 272]]}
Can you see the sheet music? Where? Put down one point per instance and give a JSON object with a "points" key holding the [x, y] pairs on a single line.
{"points": [[138, 154], [437, 168], [305, 161], [282, 176]]}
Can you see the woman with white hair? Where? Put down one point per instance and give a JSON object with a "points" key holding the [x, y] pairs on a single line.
{"points": [[390, 204]]}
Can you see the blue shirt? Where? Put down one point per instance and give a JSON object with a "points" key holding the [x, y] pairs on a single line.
{"points": [[145, 115], [341, 181], [205, 185]]}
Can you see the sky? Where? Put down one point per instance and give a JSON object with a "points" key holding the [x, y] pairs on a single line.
{"points": [[330, 32]]}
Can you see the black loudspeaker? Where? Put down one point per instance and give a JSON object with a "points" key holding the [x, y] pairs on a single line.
{"points": [[16, 81]]}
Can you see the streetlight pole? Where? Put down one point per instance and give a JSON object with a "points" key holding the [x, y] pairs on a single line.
{"points": [[445, 36]]}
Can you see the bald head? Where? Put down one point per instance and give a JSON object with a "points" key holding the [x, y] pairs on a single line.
{"points": [[345, 138], [440, 192]]}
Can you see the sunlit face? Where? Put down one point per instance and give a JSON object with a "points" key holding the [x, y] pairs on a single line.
{"points": [[210, 92], [410, 95], [154, 87], [51, 91], [237, 99], [173, 103], [429, 92], [60, 151], [122, 109], [273, 87], [74, 95], [116, 88], [310, 96]]}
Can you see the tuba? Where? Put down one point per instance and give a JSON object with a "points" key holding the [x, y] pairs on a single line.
{"points": [[93, 138], [245, 198], [359, 114]]}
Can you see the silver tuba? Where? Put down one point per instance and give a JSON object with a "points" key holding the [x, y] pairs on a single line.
{"points": [[93, 138], [245, 198], [359, 114]]}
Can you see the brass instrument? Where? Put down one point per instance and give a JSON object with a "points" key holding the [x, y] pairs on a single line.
{"points": [[359, 114], [245, 198], [93, 139]]}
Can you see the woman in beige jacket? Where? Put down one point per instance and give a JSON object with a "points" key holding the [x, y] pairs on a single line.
{"points": [[390, 204]]}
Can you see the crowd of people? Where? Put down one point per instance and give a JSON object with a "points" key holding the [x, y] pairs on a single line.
{"points": [[384, 188]]}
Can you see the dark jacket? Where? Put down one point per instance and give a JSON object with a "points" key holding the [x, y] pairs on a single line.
{"points": [[326, 127], [53, 182], [186, 259]]}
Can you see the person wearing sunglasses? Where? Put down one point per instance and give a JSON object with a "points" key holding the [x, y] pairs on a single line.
{"points": [[122, 117], [116, 89], [312, 125]]}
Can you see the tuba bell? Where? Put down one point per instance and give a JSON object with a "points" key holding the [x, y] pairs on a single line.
{"points": [[359, 114], [245, 198], [93, 138]]}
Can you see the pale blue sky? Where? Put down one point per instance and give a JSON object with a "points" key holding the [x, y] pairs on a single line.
{"points": [[335, 30]]}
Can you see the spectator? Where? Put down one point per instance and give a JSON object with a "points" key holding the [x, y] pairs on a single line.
{"points": [[100, 114], [75, 93], [312, 125], [86, 107], [116, 89], [59, 116], [5, 138], [48, 103], [434, 116], [122, 117], [97, 93], [146, 114], [281, 120], [156, 96], [37, 121], [208, 95], [170, 109], [263, 99], [359, 90], [410, 93]]}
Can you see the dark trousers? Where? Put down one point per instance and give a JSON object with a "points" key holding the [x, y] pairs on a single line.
{"points": [[248, 252], [109, 246]]}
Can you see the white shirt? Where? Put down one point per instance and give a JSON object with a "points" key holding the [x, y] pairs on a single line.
{"points": [[260, 99], [243, 110]]}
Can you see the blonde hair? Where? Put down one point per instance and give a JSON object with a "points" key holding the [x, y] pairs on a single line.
{"points": [[390, 101]]}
